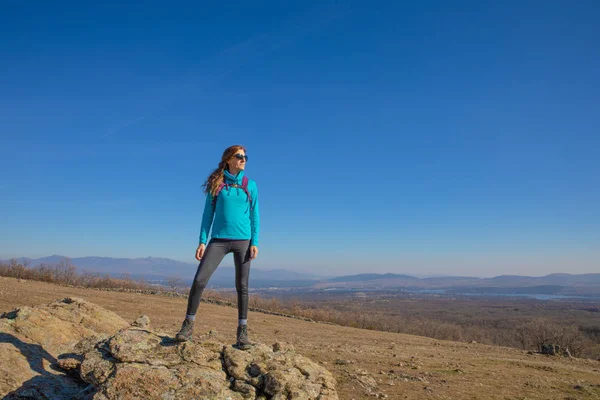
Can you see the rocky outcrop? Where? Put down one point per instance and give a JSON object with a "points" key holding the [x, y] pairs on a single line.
{"points": [[32, 339], [133, 361], [140, 363]]}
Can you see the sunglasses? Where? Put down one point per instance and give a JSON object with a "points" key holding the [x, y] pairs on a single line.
{"points": [[241, 157]]}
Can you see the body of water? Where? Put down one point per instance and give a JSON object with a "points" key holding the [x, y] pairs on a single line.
{"points": [[537, 296]]}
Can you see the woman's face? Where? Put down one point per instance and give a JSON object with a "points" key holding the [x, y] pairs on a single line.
{"points": [[238, 160]]}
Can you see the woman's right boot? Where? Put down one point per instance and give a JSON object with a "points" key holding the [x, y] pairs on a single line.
{"points": [[186, 331]]}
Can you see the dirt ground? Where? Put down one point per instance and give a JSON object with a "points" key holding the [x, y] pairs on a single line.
{"points": [[366, 364]]}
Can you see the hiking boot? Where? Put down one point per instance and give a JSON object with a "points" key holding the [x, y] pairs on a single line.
{"points": [[243, 343], [186, 331]]}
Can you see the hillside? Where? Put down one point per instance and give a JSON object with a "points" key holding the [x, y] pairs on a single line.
{"points": [[566, 284], [165, 270], [364, 363]]}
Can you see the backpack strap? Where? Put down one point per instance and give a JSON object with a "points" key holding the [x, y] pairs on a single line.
{"points": [[245, 181], [214, 200]]}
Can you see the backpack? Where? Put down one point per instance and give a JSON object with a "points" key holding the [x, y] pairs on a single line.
{"points": [[244, 186]]}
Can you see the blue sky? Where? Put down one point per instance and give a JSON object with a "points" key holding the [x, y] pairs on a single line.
{"points": [[456, 138]]}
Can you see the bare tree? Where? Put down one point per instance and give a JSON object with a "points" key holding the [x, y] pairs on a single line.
{"points": [[174, 282], [66, 272], [17, 269]]}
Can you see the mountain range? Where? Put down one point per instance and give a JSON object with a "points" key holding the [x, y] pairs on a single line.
{"points": [[163, 269]]}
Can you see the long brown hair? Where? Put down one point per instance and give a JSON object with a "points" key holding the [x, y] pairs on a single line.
{"points": [[216, 178]]}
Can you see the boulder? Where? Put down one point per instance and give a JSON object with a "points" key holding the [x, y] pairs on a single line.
{"points": [[555, 349], [142, 322], [33, 338]]}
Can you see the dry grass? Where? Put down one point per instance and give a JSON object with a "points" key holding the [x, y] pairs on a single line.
{"points": [[365, 363]]}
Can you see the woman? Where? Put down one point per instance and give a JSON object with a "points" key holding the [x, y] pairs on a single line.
{"points": [[232, 202]]}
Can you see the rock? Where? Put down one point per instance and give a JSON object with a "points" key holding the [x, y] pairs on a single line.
{"points": [[122, 365], [142, 322], [340, 361], [69, 364], [366, 381], [279, 346], [550, 349], [136, 362], [281, 374], [32, 338], [554, 349]]}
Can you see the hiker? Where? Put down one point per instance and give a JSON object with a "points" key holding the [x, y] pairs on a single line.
{"points": [[232, 202]]}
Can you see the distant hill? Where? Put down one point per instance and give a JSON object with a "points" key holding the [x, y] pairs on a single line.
{"points": [[147, 267], [162, 269], [369, 277], [554, 283]]}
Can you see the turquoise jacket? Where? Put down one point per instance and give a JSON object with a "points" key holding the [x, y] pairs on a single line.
{"points": [[231, 217]]}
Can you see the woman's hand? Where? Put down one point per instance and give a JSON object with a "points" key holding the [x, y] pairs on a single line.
{"points": [[253, 252], [200, 251]]}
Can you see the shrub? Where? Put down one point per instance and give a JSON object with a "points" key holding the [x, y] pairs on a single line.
{"points": [[540, 332]]}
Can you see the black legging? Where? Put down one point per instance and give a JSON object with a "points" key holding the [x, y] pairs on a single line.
{"points": [[213, 255]]}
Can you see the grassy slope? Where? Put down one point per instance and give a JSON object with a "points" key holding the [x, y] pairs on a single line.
{"points": [[402, 366]]}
